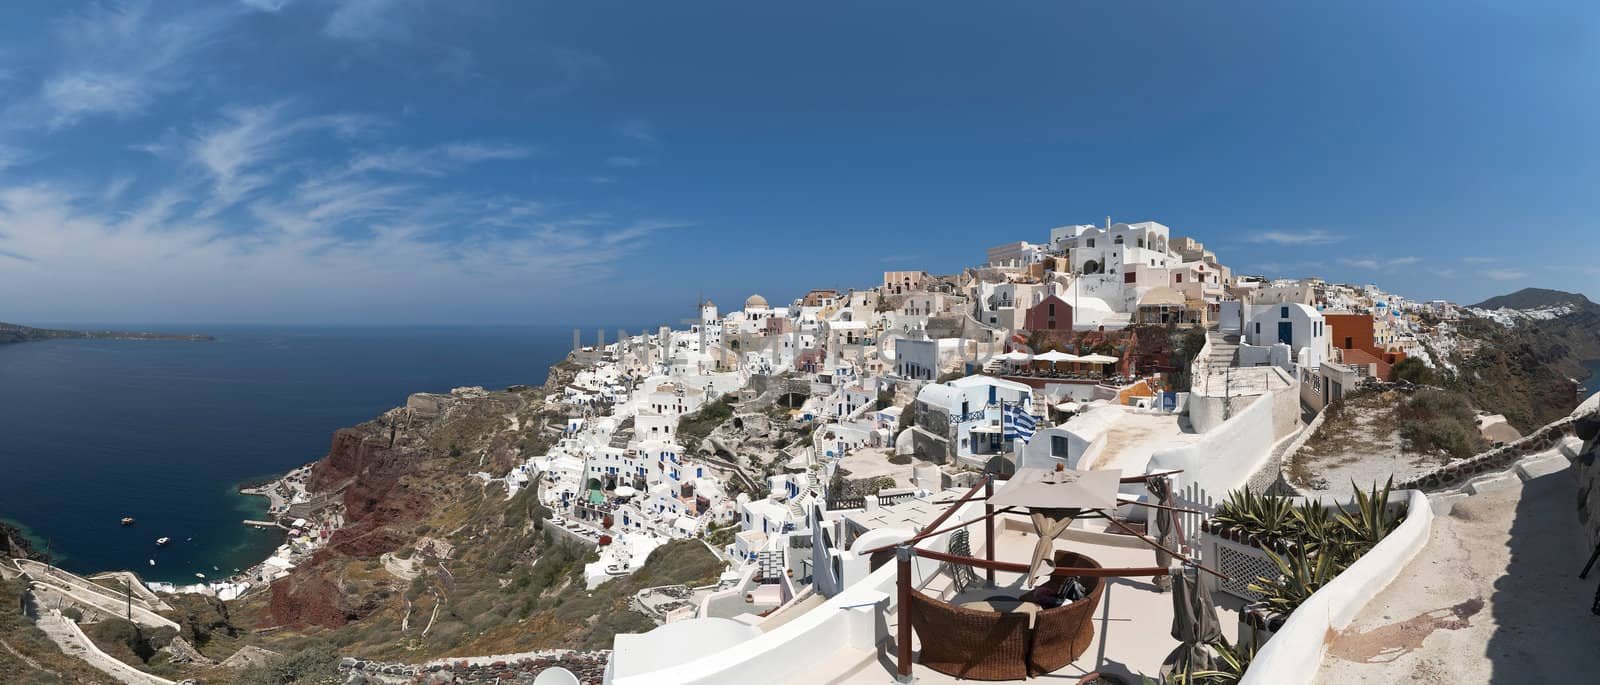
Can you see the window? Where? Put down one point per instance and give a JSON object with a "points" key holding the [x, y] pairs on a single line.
{"points": [[1058, 446], [1283, 312], [1177, 278], [1117, 240], [1130, 277], [1091, 242], [1258, 328], [1052, 309]]}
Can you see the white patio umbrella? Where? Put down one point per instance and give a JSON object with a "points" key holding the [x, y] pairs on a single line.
{"points": [[1099, 359], [1017, 356], [625, 491], [1053, 356]]}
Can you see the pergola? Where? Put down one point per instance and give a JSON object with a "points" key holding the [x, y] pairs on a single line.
{"points": [[1053, 498]]}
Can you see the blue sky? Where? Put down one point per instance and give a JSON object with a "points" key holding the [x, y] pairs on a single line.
{"points": [[396, 161]]}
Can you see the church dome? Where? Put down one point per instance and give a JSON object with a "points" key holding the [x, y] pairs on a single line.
{"points": [[756, 302]]}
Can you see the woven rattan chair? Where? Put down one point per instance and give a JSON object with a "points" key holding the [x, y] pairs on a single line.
{"points": [[1062, 634], [969, 643]]}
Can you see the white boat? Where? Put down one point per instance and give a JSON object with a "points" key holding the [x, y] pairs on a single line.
{"points": [[201, 576], [162, 541], [152, 562]]}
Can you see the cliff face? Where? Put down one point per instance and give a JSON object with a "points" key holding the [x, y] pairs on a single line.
{"points": [[13, 545], [1526, 372]]}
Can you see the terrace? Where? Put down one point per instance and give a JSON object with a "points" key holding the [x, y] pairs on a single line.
{"points": [[1131, 621]]}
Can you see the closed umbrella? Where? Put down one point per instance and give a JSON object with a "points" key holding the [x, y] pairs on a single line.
{"points": [[1194, 622], [1166, 524]]}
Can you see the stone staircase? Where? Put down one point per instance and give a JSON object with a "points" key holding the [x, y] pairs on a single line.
{"points": [[1224, 349]]}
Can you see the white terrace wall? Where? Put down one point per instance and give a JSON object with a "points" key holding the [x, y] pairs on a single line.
{"points": [[1291, 656], [852, 618], [1225, 457]]}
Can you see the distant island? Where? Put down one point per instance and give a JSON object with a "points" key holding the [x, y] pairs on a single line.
{"points": [[1534, 298], [15, 333]]}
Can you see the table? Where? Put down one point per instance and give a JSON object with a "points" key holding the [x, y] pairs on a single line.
{"points": [[1007, 605]]}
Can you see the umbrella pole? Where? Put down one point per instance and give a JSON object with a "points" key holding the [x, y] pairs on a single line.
{"points": [[903, 555], [988, 525]]}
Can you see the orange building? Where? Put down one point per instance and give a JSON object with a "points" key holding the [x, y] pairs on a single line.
{"points": [[1354, 332]]}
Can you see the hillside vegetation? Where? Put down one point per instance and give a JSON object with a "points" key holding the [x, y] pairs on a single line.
{"points": [[1533, 298]]}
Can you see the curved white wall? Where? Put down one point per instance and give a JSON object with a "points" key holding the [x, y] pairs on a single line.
{"points": [[1287, 657], [1224, 457]]}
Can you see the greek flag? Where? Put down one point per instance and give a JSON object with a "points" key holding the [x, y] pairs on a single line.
{"points": [[1019, 424]]}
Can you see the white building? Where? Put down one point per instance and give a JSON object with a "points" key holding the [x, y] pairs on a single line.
{"points": [[1298, 331]]}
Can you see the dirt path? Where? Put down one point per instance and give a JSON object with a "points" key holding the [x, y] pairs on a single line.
{"points": [[1493, 598], [70, 638]]}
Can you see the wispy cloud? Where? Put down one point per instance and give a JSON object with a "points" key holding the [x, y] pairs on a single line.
{"points": [[372, 20], [266, 5], [436, 161], [1307, 237], [638, 130], [1378, 263], [1442, 272], [1477, 260], [117, 60], [1504, 275], [624, 162]]}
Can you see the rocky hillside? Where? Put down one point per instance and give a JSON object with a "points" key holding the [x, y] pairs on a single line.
{"points": [[1526, 371], [434, 559], [1534, 298], [12, 333]]}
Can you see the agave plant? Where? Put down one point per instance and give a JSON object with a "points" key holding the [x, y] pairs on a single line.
{"points": [[1264, 516], [1300, 574], [1231, 663], [1371, 519], [1318, 530]]}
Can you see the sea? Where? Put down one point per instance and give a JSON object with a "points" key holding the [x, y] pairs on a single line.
{"points": [[166, 431], [1591, 385]]}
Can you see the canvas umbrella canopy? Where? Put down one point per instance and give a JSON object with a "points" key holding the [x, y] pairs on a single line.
{"points": [[1053, 356], [1166, 519], [1099, 359], [1053, 498], [1017, 356], [1194, 622]]}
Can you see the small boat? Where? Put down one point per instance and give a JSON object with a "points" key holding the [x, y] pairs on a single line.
{"points": [[160, 542], [127, 520], [152, 562], [201, 576]]}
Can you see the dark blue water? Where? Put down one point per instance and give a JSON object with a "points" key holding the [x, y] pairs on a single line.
{"points": [[94, 430], [1591, 385]]}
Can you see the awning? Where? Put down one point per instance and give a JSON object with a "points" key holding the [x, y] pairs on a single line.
{"points": [[986, 429]]}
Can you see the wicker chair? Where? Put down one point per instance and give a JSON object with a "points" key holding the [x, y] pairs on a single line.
{"points": [[969, 643], [1062, 634]]}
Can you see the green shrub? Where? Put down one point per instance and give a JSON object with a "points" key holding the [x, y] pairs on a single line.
{"points": [[317, 665], [1411, 370]]}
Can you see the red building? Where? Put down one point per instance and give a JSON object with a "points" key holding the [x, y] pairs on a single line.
{"points": [[1354, 332], [1051, 314]]}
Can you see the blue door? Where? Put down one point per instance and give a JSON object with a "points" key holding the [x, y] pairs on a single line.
{"points": [[1286, 333]]}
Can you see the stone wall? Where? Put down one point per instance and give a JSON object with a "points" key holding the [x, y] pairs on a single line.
{"points": [[588, 666], [1587, 469]]}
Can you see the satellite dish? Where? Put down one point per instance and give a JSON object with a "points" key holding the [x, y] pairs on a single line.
{"points": [[555, 675]]}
